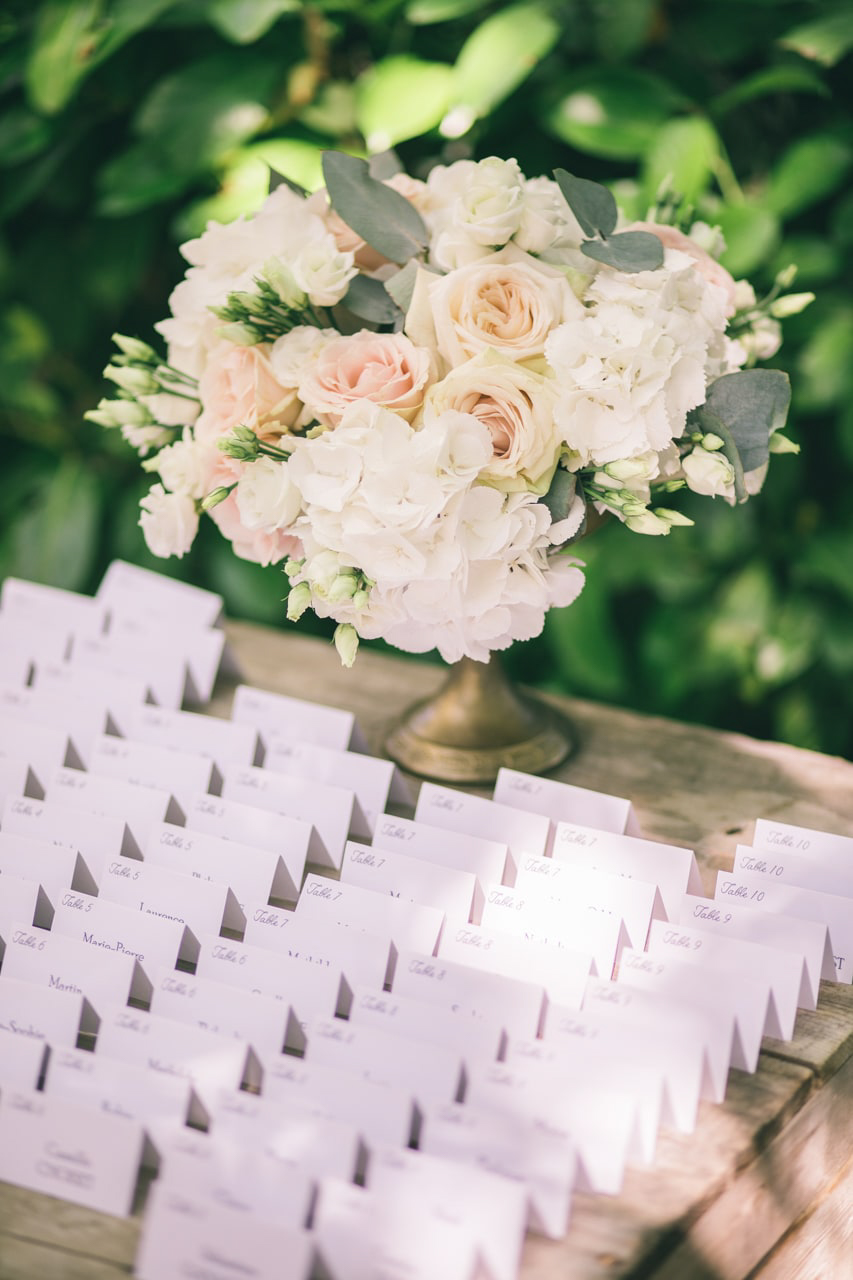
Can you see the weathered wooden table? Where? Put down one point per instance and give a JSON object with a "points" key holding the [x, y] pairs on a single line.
{"points": [[763, 1190]]}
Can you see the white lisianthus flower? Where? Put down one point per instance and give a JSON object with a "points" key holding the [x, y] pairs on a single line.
{"points": [[145, 438], [267, 498], [508, 302], [293, 352], [169, 522], [323, 271], [516, 405], [709, 473], [187, 465]]}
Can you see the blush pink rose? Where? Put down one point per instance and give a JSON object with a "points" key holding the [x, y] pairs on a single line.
{"points": [[708, 267], [238, 388], [386, 368], [252, 544]]}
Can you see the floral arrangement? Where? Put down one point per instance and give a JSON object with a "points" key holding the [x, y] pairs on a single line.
{"points": [[412, 395]]}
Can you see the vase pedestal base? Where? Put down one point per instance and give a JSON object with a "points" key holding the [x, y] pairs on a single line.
{"points": [[476, 724]]}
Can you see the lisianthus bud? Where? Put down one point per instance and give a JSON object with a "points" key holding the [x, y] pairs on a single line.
{"points": [[672, 517], [138, 381], [343, 588], [298, 600], [346, 643], [648, 522], [135, 348], [242, 335]]}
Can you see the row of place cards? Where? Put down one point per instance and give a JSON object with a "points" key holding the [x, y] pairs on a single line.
{"points": [[344, 1030]]}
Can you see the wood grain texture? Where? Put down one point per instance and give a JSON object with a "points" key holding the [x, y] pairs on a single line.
{"points": [[720, 1204]]}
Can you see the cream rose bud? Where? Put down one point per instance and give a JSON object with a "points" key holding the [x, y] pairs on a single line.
{"points": [[169, 522], [507, 302], [323, 271], [267, 498], [516, 405], [385, 368], [708, 473]]}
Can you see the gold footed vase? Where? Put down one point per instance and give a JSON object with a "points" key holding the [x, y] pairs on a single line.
{"points": [[477, 723]]}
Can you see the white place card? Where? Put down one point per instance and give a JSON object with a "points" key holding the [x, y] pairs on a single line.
{"points": [[66, 964], [598, 1037], [432, 1072], [163, 669], [97, 837], [373, 781], [783, 970], [83, 719], [21, 1062], [486, 859], [127, 588], [16, 666], [57, 867], [75, 1153], [20, 636], [780, 837], [18, 779], [378, 1111], [599, 1121], [226, 743], [121, 692], [568, 1061], [140, 807], [362, 957], [330, 810], [808, 938], [563, 973], [490, 1209], [472, 815], [670, 867], [43, 1014], [300, 1138], [307, 987], [361, 1235], [534, 1156], [413, 879], [261, 1021], [635, 902], [409, 925], [252, 873], [598, 935], [161, 1103], [293, 720], [165, 1046], [475, 1038], [745, 889], [182, 773], [23, 899], [240, 1179], [293, 840], [41, 748], [562, 802], [474, 993], [204, 906], [201, 649], [185, 1234], [109, 928], [827, 876], [747, 1001], [34, 603]]}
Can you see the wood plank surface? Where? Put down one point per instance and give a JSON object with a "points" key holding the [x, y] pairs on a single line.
{"points": [[726, 1203]]}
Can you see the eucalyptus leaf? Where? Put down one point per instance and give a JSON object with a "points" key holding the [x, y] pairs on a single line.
{"points": [[591, 203], [561, 494], [369, 300], [752, 404], [381, 216], [402, 285], [281, 180], [709, 422], [384, 164], [627, 251]]}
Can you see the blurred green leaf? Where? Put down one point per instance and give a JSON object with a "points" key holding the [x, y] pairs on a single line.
{"points": [[584, 645], [500, 54], [136, 179], [332, 111], [825, 363], [400, 98], [245, 182], [825, 39], [22, 135], [828, 560], [425, 12], [810, 169], [55, 540], [611, 111], [686, 152], [249, 590], [245, 21], [789, 78], [622, 27], [817, 259], [751, 234]]}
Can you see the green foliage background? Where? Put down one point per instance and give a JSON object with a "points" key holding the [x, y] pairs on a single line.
{"points": [[126, 124]]}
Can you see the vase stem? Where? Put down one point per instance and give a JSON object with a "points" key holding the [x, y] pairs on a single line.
{"points": [[477, 723]]}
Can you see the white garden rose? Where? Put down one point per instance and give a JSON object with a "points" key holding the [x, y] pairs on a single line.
{"points": [[516, 405], [508, 302], [267, 498], [546, 220], [169, 522], [187, 465], [472, 203]]}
